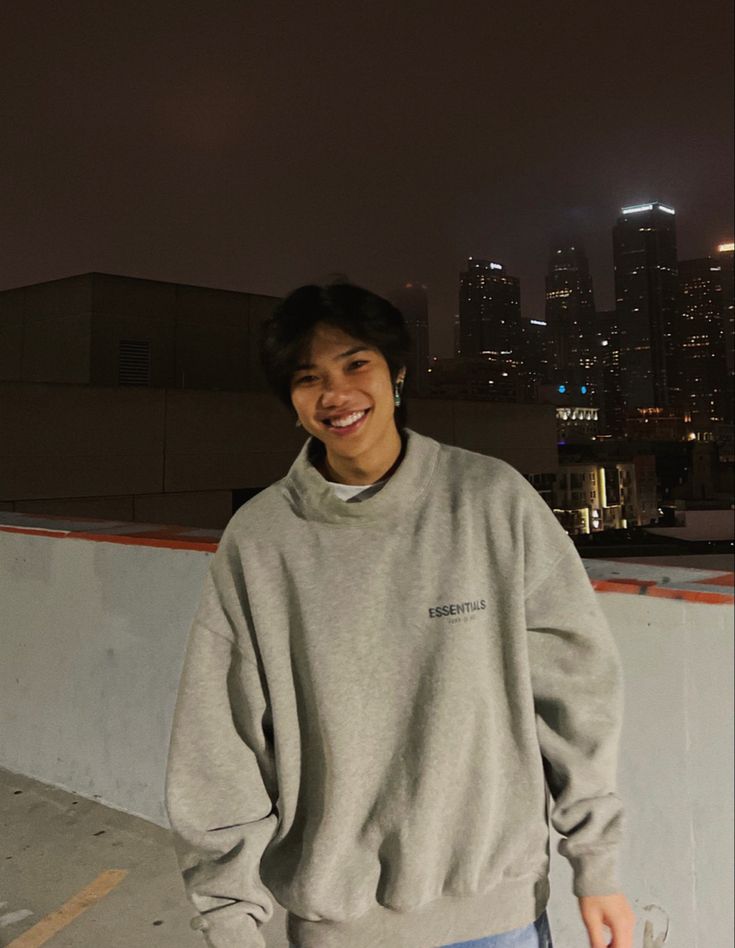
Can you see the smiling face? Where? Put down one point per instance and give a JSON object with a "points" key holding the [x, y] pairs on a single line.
{"points": [[339, 378]]}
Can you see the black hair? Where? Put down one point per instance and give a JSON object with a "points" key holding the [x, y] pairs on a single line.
{"points": [[286, 334]]}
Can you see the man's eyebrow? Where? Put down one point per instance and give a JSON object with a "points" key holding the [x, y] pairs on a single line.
{"points": [[342, 355]]}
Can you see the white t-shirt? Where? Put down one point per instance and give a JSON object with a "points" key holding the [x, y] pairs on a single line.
{"points": [[355, 492]]}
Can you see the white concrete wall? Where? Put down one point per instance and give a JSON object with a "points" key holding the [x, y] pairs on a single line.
{"points": [[676, 774], [93, 633]]}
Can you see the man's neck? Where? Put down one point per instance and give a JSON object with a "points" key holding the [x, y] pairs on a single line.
{"points": [[362, 470]]}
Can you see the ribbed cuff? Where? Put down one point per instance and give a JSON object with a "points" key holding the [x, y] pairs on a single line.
{"points": [[596, 872], [234, 931]]}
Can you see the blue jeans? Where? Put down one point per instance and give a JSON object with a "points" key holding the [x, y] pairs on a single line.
{"points": [[535, 935]]}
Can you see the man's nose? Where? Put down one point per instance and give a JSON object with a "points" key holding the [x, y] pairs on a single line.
{"points": [[335, 391]]}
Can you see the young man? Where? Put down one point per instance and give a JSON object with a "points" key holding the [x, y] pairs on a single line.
{"points": [[397, 652]]}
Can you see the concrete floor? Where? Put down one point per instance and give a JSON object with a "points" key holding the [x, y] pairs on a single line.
{"points": [[54, 845]]}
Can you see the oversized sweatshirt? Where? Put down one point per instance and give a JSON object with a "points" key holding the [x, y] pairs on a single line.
{"points": [[383, 702]]}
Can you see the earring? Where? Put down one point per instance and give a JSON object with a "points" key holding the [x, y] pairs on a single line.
{"points": [[298, 422], [397, 393]]}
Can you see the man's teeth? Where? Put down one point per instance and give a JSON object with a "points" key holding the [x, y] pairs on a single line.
{"points": [[349, 420]]}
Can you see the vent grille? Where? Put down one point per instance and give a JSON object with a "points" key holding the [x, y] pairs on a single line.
{"points": [[134, 362]]}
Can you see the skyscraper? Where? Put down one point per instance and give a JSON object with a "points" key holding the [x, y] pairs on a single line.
{"points": [[610, 400], [700, 342], [724, 258], [411, 299], [644, 254], [570, 313], [538, 354], [490, 312]]}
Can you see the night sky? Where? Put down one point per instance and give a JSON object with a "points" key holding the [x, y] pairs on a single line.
{"points": [[259, 146]]}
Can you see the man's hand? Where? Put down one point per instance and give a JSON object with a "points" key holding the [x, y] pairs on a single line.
{"points": [[613, 911]]}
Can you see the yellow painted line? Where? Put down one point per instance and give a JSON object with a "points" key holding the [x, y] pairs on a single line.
{"points": [[53, 923]]}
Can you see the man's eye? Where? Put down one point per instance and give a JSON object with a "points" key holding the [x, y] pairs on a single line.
{"points": [[357, 362]]}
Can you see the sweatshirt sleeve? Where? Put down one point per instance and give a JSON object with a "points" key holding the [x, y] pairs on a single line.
{"points": [[578, 695], [220, 775]]}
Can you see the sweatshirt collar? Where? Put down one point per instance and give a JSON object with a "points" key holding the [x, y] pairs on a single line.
{"points": [[313, 495]]}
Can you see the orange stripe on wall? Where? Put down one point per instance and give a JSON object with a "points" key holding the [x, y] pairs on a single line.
{"points": [[648, 588], [162, 540], [691, 595], [724, 579]]}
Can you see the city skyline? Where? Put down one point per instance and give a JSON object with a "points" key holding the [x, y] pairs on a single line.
{"points": [[392, 291], [258, 148]]}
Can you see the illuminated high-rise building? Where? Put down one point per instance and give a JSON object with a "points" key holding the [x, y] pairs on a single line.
{"points": [[490, 313], [411, 299], [610, 400], [700, 342], [644, 254], [724, 258], [538, 352], [570, 313]]}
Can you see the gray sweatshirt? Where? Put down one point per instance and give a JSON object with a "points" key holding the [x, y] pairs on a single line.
{"points": [[382, 704]]}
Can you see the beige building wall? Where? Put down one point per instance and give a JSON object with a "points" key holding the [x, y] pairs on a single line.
{"points": [[175, 455], [144, 400], [71, 331]]}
